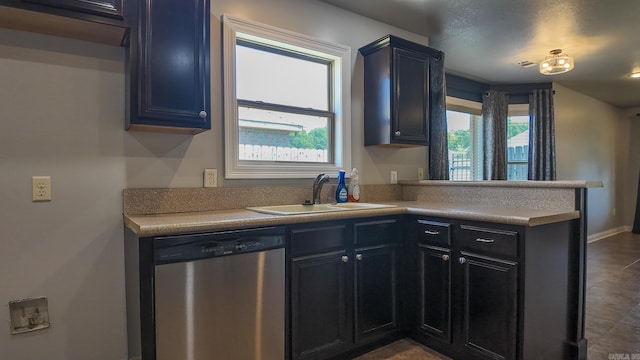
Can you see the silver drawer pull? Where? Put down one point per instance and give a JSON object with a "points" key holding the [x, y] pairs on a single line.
{"points": [[484, 240], [430, 232], [345, 258], [445, 257]]}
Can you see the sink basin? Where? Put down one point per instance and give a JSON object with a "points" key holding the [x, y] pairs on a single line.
{"points": [[294, 209], [361, 206], [298, 209]]}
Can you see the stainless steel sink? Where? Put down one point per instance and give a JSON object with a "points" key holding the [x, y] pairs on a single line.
{"points": [[298, 209], [361, 206]]}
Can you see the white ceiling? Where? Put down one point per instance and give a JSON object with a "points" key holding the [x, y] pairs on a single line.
{"points": [[482, 39]]}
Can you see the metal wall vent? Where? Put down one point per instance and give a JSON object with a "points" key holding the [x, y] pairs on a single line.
{"points": [[525, 64]]}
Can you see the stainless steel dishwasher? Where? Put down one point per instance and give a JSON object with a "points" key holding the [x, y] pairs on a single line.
{"points": [[220, 295]]}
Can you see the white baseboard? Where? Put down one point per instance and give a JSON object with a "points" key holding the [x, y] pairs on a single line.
{"points": [[604, 234]]}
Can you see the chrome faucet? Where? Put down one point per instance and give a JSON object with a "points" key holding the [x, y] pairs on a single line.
{"points": [[317, 187]]}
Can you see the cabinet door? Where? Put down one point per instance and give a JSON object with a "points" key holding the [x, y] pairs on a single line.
{"points": [[171, 74], [319, 305], [489, 306], [434, 271], [411, 89], [111, 8], [376, 292]]}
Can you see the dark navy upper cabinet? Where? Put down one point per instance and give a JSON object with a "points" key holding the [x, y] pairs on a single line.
{"points": [[397, 91], [169, 67], [100, 21], [111, 8]]}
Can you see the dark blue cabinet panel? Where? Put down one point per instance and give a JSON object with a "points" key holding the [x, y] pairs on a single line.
{"points": [[169, 67]]}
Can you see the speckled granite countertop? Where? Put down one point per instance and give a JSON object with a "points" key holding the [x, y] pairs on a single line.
{"points": [[164, 224], [556, 184]]}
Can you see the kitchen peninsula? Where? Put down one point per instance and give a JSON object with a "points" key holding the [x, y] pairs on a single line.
{"points": [[476, 270]]}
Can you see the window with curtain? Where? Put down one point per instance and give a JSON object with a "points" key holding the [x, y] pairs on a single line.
{"points": [[464, 132]]}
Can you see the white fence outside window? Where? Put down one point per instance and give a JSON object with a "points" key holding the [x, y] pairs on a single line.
{"points": [[278, 153]]}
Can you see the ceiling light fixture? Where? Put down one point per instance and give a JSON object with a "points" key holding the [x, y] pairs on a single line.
{"points": [[635, 75], [556, 63]]}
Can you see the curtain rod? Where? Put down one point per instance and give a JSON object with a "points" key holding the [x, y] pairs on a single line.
{"points": [[486, 93]]}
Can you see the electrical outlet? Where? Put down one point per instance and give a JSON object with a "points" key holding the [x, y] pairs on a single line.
{"points": [[210, 178], [394, 177], [420, 173], [41, 188]]}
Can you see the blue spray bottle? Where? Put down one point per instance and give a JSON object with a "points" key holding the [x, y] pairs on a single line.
{"points": [[342, 194]]}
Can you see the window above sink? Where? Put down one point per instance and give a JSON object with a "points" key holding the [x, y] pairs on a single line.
{"points": [[287, 103]]}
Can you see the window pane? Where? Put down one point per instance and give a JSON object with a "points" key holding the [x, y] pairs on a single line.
{"points": [[517, 147], [460, 145], [279, 79], [267, 135]]}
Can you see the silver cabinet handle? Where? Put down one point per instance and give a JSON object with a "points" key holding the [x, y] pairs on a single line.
{"points": [[203, 114], [431, 232], [397, 133], [345, 258], [359, 257], [484, 240], [462, 260], [445, 257]]}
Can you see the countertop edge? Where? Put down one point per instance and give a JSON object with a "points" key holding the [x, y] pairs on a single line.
{"points": [[556, 184], [182, 223]]}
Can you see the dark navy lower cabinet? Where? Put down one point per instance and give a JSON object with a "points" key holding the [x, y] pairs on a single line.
{"points": [[484, 291], [343, 287]]}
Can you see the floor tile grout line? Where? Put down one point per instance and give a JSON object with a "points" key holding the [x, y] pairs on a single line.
{"points": [[626, 267]]}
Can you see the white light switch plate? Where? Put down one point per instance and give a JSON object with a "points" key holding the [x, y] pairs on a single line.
{"points": [[41, 188], [210, 178]]}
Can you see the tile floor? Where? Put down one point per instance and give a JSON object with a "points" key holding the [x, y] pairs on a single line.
{"points": [[613, 298], [613, 306]]}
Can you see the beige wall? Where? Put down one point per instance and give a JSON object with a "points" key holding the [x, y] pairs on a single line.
{"points": [[594, 142], [631, 161], [62, 114]]}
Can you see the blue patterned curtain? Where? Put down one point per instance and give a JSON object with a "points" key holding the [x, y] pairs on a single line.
{"points": [[542, 144], [495, 109], [438, 144]]}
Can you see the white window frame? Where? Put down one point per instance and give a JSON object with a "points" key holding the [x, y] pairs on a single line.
{"points": [[340, 55], [475, 109]]}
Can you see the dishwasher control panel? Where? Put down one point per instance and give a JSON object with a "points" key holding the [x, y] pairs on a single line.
{"points": [[168, 249]]}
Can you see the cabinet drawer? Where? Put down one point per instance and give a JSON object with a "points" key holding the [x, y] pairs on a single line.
{"points": [[317, 239], [376, 232], [488, 241], [433, 232]]}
